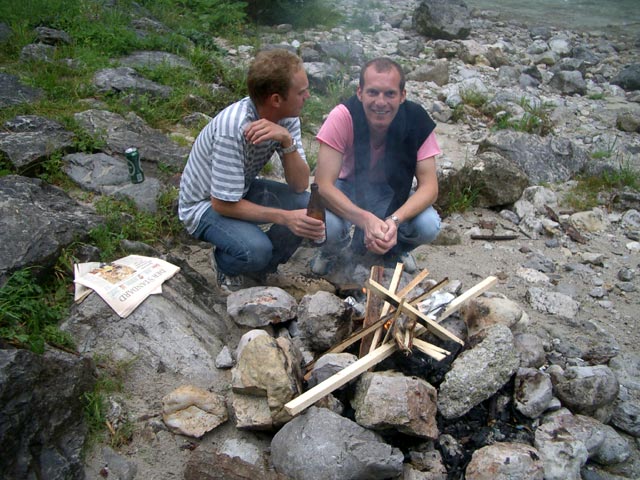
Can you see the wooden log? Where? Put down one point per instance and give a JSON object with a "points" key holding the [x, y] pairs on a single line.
{"points": [[372, 309]]}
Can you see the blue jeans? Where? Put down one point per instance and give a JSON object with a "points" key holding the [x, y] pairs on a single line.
{"points": [[421, 229], [243, 247]]}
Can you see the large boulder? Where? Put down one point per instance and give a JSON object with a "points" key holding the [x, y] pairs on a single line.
{"points": [[443, 19]]}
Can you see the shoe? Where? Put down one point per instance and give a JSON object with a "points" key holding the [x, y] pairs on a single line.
{"points": [[409, 262], [226, 283], [321, 263]]}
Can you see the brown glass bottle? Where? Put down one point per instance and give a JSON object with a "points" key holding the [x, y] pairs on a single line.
{"points": [[316, 209]]}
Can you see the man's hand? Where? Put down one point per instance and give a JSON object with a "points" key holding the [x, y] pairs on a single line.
{"points": [[263, 129], [379, 236], [303, 225]]}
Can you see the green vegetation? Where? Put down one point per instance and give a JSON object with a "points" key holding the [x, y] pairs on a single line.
{"points": [[110, 380], [460, 199], [592, 190], [30, 311], [535, 119]]}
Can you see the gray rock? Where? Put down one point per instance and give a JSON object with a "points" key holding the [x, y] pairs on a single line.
{"points": [[120, 133], [261, 306], [29, 139], [154, 59], [629, 77], [323, 320], [52, 36], [341, 449], [14, 92], [126, 79], [40, 220], [443, 19], [41, 420], [478, 373], [533, 392], [543, 160], [552, 303], [328, 365], [587, 389]]}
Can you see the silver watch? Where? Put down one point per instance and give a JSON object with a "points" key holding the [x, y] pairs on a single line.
{"points": [[291, 148], [395, 219]]}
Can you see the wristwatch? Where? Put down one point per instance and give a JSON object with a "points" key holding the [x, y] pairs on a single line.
{"points": [[395, 219], [291, 148]]}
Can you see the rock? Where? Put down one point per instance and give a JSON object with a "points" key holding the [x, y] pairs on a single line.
{"points": [[41, 420], [362, 453], [504, 461], [126, 79], [40, 220], [442, 19], [478, 373], [562, 455], [266, 367], [120, 133], [207, 465], [14, 92], [323, 320], [483, 312], [29, 139], [629, 77], [386, 401], [552, 303], [533, 392], [328, 365], [192, 411], [261, 306]]}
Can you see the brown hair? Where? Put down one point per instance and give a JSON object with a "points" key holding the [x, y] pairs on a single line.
{"points": [[271, 72], [382, 64]]}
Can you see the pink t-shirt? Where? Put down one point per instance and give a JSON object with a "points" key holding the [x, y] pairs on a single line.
{"points": [[337, 132]]}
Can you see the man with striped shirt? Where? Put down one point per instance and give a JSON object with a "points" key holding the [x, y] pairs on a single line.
{"points": [[222, 200]]}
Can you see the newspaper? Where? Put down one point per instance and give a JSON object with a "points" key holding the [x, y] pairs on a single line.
{"points": [[123, 284]]}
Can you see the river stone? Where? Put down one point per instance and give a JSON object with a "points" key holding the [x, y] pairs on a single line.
{"points": [[478, 373], [261, 306], [321, 445], [533, 392], [505, 461]]}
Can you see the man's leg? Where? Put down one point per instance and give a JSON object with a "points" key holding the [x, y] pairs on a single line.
{"points": [[284, 243], [240, 247]]}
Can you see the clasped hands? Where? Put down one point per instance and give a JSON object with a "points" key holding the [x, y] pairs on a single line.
{"points": [[380, 236]]}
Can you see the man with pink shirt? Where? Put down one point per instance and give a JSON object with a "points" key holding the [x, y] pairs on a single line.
{"points": [[371, 148]]}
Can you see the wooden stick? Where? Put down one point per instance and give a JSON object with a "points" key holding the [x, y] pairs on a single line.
{"points": [[372, 308], [429, 349], [311, 396], [395, 280], [411, 311], [473, 292]]}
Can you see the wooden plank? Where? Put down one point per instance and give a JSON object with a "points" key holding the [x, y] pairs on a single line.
{"points": [[428, 349], [411, 311], [395, 280], [372, 309], [473, 292], [311, 396]]}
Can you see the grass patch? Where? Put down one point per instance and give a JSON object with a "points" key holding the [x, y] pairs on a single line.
{"points": [[589, 191], [110, 380], [123, 221], [535, 119], [461, 198], [30, 312]]}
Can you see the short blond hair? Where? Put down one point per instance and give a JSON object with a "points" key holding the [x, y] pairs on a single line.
{"points": [[271, 72]]}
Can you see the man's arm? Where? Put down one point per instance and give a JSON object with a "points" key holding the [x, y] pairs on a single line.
{"points": [[426, 193], [327, 171], [296, 170]]}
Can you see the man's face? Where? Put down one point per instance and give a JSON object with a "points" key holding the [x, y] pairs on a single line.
{"points": [[298, 94], [381, 97]]}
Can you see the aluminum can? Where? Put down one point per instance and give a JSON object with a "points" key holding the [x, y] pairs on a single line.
{"points": [[136, 175]]}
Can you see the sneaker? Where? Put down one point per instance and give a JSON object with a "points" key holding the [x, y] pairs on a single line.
{"points": [[226, 283], [409, 262], [321, 263]]}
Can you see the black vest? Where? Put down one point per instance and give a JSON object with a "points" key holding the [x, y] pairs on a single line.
{"points": [[407, 132]]}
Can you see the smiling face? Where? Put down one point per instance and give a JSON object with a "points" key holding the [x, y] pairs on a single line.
{"points": [[381, 97]]}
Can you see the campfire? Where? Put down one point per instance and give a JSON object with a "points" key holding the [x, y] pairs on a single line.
{"points": [[393, 321]]}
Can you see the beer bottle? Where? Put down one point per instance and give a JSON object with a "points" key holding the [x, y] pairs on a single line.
{"points": [[315, 209]]}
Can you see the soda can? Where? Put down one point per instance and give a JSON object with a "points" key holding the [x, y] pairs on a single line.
{"points": [[133, 162]]}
